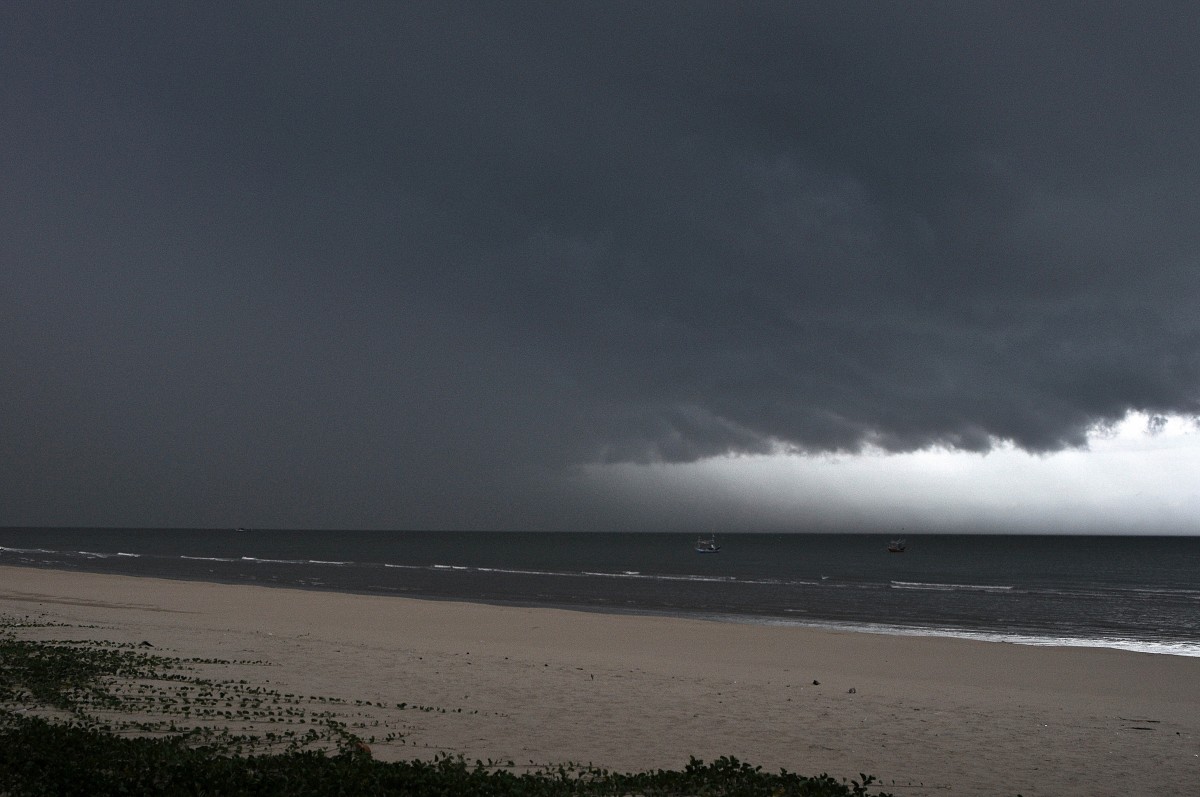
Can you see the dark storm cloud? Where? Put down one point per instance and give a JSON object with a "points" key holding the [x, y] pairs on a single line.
{"points": [[375, 265]]}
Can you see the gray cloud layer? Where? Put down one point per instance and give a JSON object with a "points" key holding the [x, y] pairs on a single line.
{"points": [[380, 264]]}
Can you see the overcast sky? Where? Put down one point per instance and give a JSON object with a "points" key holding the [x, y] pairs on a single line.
{"points": [[782, 266]]}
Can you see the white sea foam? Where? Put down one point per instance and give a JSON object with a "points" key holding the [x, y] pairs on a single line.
{"points": [[275, 561], [1191, 649], [508, 571], [1187, 593], [950, 587]]}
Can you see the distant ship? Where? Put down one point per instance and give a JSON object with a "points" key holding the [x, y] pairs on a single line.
{"points": [[897, 546], [707, 545]]}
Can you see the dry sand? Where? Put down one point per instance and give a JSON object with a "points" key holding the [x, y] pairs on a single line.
{"points": [[929, 716]]}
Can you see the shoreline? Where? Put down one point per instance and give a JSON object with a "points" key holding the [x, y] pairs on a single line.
{"points": [[1022, 638], [926, 715]]}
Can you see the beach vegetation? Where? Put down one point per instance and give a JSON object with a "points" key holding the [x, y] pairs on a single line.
{"points": [[90, 717]]}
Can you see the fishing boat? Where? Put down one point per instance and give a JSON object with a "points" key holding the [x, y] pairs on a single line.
{"points": [[897, 546], [707, 545]]}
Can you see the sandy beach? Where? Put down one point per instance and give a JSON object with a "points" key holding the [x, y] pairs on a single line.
{"points": [[928, 716]]}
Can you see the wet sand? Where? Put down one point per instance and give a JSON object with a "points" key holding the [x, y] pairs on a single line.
{"points": [[928, 716]]}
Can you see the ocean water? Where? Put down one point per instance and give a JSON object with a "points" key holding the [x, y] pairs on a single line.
{"points": [[1135, 593]]}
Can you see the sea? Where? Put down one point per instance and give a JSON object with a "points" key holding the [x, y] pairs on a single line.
{"points": [[1132, 593]]}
